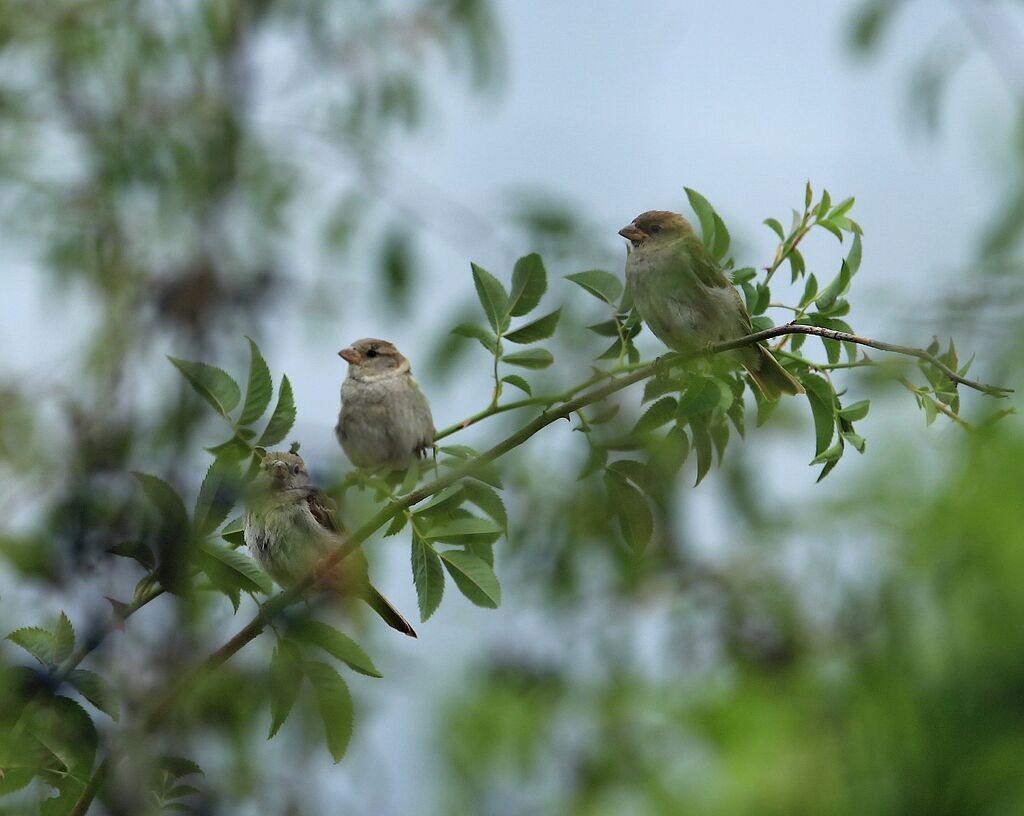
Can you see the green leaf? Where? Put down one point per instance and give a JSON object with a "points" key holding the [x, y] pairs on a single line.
{"points": [[702, 445], [608, 328], [337, 644], [705, 214], [822, 400], [744, 275], [67, 732], [722, 239], [529, 282], [493, 298], [428, 577], [474, 332], [596, 460], [234, 531], [260, 388], [95, 689], [854, 256], [232, 569], [632, 510], [540, 329], [856, 411], [463, 530], [832, 454], [63, 639], [856, 440], [776, 227], [530, 358], [474, 578], [136, 550], [660, 413], [335, 706], [488, 500], [37, 642], [286, 672], [217, 494], [282, 419], [602, 285], [702, 396], [668, 457], [838, 286], [165, 499], [796, 263], [518, 382], [211, 383], [179, 767], [810, 290]]}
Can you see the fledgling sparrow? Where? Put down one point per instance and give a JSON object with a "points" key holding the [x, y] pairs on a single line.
{"points": [[688, 302], [290, 524], [385, 420]]}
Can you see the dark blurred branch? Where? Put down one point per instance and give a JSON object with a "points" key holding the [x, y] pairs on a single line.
{"points": [[565, 410]]}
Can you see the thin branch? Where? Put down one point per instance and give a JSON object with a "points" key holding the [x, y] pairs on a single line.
{"points": [[402, 504]]}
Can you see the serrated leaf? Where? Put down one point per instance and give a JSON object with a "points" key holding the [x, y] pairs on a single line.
{"points": [[67, 732], [488, 500], [493, 298], [702, 396], [529, 283], [601, 284], [135, 550], [705, 214], [540, 329], [518, 382], [486, 338], [173, 533], [179, 767], [63, 638], [234, 531], [427, 576], [260, 388], [211, 383], [232, 568], [660, 413], [474, 578], [530, 358], [632, 510], [335, 702], [668, 457], [450, 494], [463, 530], [95, 689], [744, 275], [37, 642], [337, 644], [282, 419], [822, 400], [217, 495]]}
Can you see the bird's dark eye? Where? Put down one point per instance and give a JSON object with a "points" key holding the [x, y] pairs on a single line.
{"points": [[653, 228], [372, 352], [296, 469]]}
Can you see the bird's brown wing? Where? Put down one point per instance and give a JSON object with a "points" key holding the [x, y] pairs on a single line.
{"points": [[325, 511], [705, 267]]}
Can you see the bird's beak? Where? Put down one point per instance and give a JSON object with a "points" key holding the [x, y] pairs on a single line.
{"points": [[349, 355], [280, 470], [631, 233]]}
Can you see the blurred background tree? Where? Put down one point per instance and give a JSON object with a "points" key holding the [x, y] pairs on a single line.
{"points": [[169, 182]]}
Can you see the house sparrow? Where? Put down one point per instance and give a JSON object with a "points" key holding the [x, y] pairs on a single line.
{"points": [[687, 301], [290, 524], [385, 420]]}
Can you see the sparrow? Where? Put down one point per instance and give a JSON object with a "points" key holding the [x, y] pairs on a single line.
{"points": [[686, 299], [290, 524], [385, 420]]}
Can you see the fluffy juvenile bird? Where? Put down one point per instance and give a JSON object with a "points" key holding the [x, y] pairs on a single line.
{"points": [[385, 420], [684, 296], [290, 524]]}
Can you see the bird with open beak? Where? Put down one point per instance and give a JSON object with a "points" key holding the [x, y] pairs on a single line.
{"points": [[290, 524], [685, 298], [385, 419]]}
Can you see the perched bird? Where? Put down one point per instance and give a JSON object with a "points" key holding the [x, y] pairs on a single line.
{"points": [[385, 420], [290, 524], [687, 301]]}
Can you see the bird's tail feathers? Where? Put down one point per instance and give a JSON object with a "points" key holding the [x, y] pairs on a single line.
{"points": [[769, 376]]}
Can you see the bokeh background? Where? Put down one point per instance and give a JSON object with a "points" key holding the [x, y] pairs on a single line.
{"points": [[177, 175]]}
